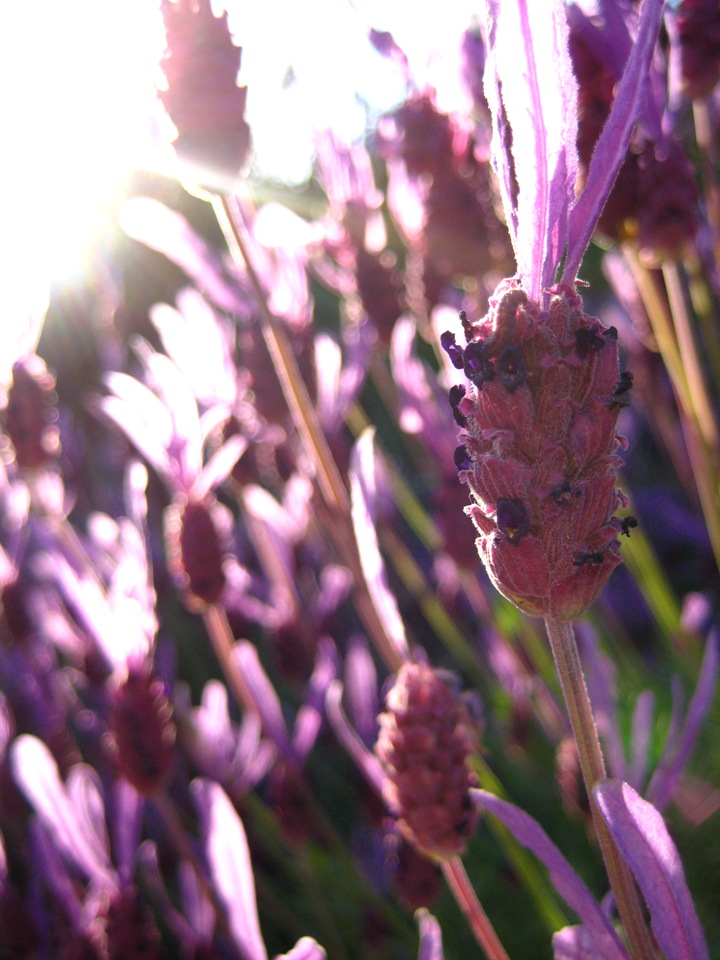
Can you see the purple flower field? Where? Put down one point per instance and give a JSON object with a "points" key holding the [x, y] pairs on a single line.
{"points": [[360, 539]]}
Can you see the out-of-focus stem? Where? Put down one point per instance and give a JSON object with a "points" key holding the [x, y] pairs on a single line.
{"points": [[704, 137], [689, 355], [704, 469], [223, 642], [230, 217], [567, 661], [468, 902]]}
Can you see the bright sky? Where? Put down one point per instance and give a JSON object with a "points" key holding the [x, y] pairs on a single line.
{"points": [[79, 109]]}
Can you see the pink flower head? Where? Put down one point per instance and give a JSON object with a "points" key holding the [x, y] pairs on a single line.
{"points": [[545, 389], [201, 64]]}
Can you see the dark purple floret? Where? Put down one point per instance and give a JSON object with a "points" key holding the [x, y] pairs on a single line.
{"points": [[587, 559], [477, 366], [467, 326], [462, 458], [627, 524], [624, 383], [610, 333], [562, 493], [447, 342], [512, 519], [456, 394], [511, 369], [587, 341]]}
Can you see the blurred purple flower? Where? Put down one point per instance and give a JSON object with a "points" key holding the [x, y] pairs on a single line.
{"points": [[228, 857]]}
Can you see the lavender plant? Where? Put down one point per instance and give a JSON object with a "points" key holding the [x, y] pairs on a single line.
{"points": [[183, 772]]}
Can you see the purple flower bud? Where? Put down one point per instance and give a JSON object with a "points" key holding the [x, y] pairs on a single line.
{"points": [[194, 550], [142, 731], [425, 739], [30, 414], [447, 342]]}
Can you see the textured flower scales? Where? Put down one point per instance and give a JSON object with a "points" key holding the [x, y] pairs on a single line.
{"points": [[539, 455], [425, 739]]}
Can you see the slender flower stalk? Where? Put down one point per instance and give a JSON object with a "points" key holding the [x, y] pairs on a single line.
{"points": [[466, 897], [539, 417]]}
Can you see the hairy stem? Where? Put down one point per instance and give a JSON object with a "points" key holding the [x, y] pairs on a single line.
{"points": [[468, 902], [572, 681]]}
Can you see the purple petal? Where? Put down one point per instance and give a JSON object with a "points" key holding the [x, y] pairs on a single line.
{"points": [[644, 842], [430, 936], [574, 943], [218, 467], [263, 694], [196, 906], [128, 808], [642, 721], [361, 689], [36, 774], [310, 715], [612, 146], [83, 790], [161, 229], [530, 86], [366, 762], [334, 586], [229, 859], [670, 768], [363, 490], [567, 883], [305, 949]]}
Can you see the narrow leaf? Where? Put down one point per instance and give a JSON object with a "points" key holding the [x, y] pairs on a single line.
{"points": [[670, 768], [567, 883], [643, 840]]}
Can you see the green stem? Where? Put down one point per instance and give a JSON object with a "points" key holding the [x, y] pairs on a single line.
{"points": [[572, 681], [332, 488], [468, 902]]}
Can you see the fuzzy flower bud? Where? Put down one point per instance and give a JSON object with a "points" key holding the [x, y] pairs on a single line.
{"points": [[539, 455], [201, 65], [195, 550], [698, 25], [142, 731], [30, 415], [424, 742]]}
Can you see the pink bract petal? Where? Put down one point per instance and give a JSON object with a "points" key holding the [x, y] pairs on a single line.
{"points": [[531, 87]]}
